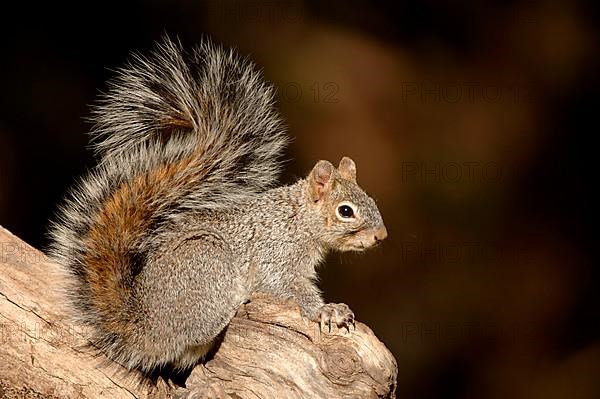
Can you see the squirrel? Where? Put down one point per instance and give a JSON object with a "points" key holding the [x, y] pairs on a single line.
{"points": [[180, 221]]}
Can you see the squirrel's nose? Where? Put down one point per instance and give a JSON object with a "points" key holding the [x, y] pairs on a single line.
{"points": [[381, 233]]}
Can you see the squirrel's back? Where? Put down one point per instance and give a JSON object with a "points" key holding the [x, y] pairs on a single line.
{"points": [[176, 133]]}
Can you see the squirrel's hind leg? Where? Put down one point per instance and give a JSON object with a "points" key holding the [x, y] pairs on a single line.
{"points": [[190, 294]]}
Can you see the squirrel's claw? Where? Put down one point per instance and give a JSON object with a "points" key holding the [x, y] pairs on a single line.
{"points": [[338, 314]]}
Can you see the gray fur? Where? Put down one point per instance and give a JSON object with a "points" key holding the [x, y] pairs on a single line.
{"points": [[220, 232]]}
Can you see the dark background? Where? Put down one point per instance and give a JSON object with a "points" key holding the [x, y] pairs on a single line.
{"points": [[471, 125]]}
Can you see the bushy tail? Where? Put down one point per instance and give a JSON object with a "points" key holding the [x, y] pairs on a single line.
{"points": [[211, 95], [176, 132]]}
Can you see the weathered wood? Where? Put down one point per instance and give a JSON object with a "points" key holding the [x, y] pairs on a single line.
{"points": [[268, 351]]}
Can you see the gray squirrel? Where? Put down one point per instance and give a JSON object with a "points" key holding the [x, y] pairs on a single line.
{"points": [[179, 222]]}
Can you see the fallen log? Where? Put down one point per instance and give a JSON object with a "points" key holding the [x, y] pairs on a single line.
{"points": [[269, 350]]}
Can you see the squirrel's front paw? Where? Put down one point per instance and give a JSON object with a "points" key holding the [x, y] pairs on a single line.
{"points": [[335, 313]]}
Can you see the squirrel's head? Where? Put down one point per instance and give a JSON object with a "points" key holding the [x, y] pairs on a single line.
{"points": [[350, 217]]}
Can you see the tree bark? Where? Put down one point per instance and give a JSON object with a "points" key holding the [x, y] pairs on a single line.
{"points": [[269, 350]]}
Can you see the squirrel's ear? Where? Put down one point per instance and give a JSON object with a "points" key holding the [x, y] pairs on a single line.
{"points": [[347, 169], [320, 179]]}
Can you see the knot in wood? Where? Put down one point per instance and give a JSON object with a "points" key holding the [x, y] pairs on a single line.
{"points": [[340, 363]]}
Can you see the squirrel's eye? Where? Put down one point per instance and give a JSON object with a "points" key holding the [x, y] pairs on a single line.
{"points": [[346, 211]]}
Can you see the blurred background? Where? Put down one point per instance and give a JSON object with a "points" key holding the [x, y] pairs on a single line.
{"points": [[471, 125]]}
